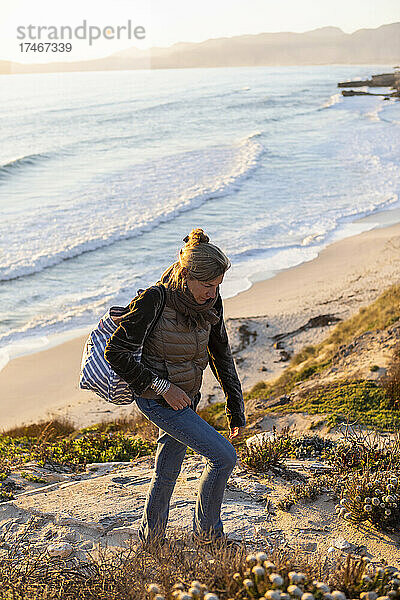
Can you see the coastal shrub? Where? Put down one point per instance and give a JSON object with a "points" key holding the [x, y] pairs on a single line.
{"points": [[215, 415], [179, 570], [15, 451], [268, 454], [261, 579], [391, 381], [92, 448], [311, 446], [308, 491], [60, 444], [31, 477], [359, 455], [373, 497]]}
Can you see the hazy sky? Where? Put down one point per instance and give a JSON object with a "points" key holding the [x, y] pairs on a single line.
{"points": [[170, 21]]}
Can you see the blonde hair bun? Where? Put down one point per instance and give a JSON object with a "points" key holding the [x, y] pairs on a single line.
{"points": [[196, 237]]}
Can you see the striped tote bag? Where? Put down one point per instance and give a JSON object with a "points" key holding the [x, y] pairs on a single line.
{"points": [[96, 373]]}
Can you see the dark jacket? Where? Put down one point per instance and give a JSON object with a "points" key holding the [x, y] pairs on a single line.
{"points": [[130, 336]]}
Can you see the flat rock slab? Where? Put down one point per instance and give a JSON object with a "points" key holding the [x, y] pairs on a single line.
{"points": [[107, 505]]}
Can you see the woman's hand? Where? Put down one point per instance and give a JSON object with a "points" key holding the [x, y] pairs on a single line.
{"points": [[235, 432], [176, 397]]}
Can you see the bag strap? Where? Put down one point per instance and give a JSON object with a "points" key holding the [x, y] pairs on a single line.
{"points": [[158, 315]]}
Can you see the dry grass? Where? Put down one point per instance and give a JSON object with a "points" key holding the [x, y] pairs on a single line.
{"points": [[382, 313], [391, 381], [27, 573], [48, 429]]}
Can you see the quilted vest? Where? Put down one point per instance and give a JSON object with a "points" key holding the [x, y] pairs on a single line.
{"points": [[175, 353]]}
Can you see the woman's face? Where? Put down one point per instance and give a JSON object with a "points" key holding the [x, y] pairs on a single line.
{"points": [[203, 290]]}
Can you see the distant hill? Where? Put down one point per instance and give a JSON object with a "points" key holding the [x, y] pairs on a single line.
{"points": [[327, 45]]}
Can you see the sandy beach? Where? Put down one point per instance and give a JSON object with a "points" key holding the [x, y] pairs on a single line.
{"points": [[346, 275]]}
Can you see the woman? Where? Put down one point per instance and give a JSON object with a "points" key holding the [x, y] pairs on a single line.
{"points": [[189, 332]]}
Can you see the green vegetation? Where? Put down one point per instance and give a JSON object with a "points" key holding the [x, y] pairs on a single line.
{"points": [[92, 447], [33, 478], [59, 444], [373, 497], [308, 491], [268, 455], [362, 454], [363, 401]]}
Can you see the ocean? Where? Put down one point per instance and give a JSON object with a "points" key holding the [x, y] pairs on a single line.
{"points": [[102, 175]]}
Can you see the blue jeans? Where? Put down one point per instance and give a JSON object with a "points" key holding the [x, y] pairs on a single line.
{"points": [[177, 430]]}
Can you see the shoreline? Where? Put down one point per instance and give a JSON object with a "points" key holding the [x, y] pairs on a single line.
{"points": [[377, 220], [345, 275]]}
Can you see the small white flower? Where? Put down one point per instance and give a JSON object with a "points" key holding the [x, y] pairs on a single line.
{"points": [[153, 588], [261, 556], [251, 559], [307, 596], [195, 583], [336, 595], [195, 592], [237, 577], [210, 596], [276, 580], [248, 583], [185, 596], [273, 595], [294, 590], [258, 571], [322, 587]]}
